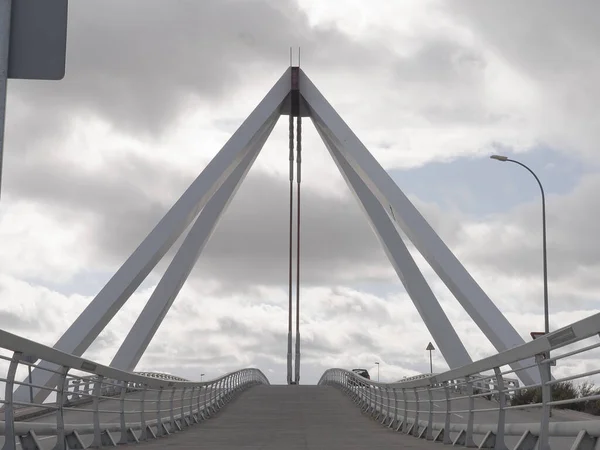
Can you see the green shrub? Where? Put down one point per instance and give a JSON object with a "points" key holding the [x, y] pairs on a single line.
{"points": [[565, 390]]}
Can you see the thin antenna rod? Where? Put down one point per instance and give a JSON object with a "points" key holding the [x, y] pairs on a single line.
{"points": [[291, 158]]}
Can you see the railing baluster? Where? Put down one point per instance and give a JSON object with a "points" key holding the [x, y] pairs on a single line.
{"points": [[447, 439], [546, 377], [394, 421], [97, 392], [172, 410], [417, 409], [388, 413], [60, 402], [471, 418], [9, 409], [192, 405], [124, 438], [405, 418], [144, 431], [159, 422], [182, 417], [429, 435], [500, 444]]}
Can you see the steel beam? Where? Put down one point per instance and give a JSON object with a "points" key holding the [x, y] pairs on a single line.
{"points": [[168, 288], [405, 266], [473, 299], [132, 273]]}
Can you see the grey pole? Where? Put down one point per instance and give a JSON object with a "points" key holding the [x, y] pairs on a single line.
{"points": [[545, 258], [5, 14], [430, 348], [377, 371], [430, 362]]}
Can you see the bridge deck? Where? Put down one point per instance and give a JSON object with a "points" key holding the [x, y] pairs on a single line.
{"points": [[291, 418]]}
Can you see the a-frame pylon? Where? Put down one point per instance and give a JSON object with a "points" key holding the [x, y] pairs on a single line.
{"points": [[207, 198]]}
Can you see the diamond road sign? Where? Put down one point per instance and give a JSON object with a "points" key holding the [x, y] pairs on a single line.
{"points": [[38, 39]]}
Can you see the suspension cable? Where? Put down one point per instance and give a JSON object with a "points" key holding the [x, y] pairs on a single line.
{"points": [[299, 178], [291, 157]]}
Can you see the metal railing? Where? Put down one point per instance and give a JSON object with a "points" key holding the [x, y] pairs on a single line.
{"points": [[474, 401], [93, 401]]}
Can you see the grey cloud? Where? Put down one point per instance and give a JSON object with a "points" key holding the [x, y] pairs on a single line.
{"points": [[544, 37], [140, 64], [554, 47], [9, 319]]}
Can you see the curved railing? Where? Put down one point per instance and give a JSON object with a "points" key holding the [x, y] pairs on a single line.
{"points": [[104, 400], [424, 405]]}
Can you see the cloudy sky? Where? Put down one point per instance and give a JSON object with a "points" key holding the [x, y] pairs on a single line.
{"points": [[154, 88]]}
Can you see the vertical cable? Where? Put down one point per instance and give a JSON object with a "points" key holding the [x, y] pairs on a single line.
{"points": [[291, 157], [299, 178]]}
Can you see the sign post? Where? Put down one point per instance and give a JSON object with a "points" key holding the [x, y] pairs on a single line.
{"points": [[33, 45], [430, 348], [537, 334]]}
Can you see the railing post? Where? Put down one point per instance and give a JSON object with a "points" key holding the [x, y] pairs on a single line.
{"points": [[143, 431], [182, 417], [375, 401], [192, 404], [405, 418], [417, 408], [205, 411], [429, 435], [9, 407], [546, 377], [200, 410], [447, 439], [471, 418], [388, 413], [97, 442], [394, 421], [123, 439], [60, 401], [172, 410], [159, 423], [500, 444]]}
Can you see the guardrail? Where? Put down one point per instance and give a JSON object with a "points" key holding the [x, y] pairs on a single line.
{"points": [[414, 406], [137, 406]]}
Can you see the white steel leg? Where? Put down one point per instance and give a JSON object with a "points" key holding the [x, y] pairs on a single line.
{"points": [[168, 288], [415, 284], [127, 279], [466, 290]]}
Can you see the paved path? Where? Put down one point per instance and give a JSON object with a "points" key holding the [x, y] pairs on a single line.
{"points": [[290, 418]]}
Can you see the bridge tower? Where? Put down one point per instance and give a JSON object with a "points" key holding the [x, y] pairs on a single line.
{"points": [[203, 203]]}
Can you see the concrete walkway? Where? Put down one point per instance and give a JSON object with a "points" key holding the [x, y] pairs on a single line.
{"points": [[290, 418]]}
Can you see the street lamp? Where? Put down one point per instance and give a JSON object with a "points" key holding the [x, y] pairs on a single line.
{"points": [[201, 375], [377, 371], [546, 316]]}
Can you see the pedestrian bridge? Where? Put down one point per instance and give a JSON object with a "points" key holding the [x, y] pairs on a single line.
{"points": [[99, 406]]}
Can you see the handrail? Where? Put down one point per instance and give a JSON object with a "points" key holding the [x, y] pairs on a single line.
{"points": [[161, 403], [423, 404]]}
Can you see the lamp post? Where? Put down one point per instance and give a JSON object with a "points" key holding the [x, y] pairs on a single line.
{"points": [[546, 316], [377, 371], [201, 375]]}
